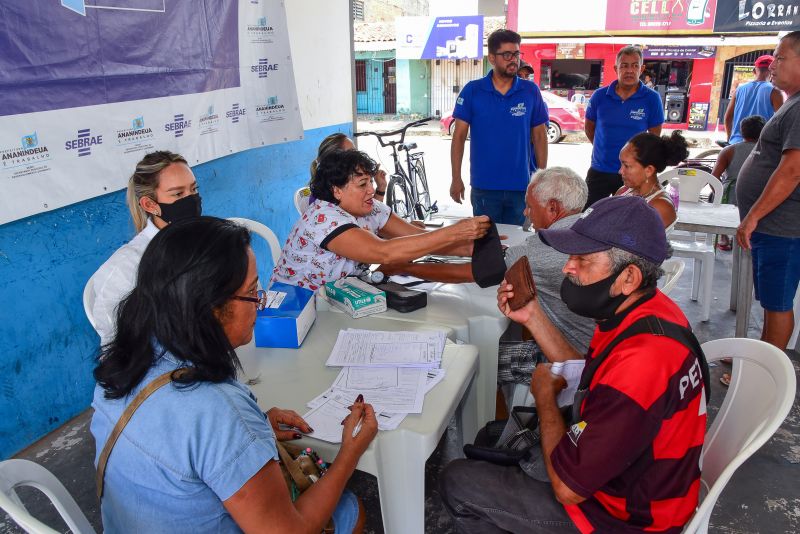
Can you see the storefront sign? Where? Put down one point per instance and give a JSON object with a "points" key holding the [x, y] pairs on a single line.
{"points": [[570, 51], [698, 116], [663, 16], [757, 15], [678, 52], [579, 17], [741, 75], [439, 37]]}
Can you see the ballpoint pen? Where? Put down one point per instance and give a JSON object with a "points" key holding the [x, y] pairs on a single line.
{"points": [[357, 429]]}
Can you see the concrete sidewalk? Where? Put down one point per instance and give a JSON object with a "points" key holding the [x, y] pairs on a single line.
{"points": [[384, 123], [762, 497]]}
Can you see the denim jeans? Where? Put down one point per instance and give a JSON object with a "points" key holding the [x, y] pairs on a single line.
{"points": [[486, 498], [776, 270], [502, 207]]}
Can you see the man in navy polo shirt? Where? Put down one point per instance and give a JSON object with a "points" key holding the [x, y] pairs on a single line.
{"points": [[615, 114], [505, 115]]}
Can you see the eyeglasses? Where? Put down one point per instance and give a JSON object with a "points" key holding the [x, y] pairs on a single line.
{"points": [[509, 55], [260, 299]]}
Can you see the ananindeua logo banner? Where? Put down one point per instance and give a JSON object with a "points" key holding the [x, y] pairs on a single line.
{"points": [[88, 87]]}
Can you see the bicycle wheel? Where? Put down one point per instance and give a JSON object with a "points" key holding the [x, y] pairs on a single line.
{"points": [[708, 154], [397, 197], [423, 193]]}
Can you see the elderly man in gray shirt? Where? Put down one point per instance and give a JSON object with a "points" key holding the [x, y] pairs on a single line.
{"points": [[768, 193], [554, 199]]}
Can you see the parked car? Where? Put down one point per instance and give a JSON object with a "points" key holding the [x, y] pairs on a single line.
{"points": [[565, 118]]}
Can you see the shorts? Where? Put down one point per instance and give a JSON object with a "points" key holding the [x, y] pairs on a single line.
{"points": [[345, 515], [776, 270]]}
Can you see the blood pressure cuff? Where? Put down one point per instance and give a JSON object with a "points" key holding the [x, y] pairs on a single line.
{"points": [[488, 264]]}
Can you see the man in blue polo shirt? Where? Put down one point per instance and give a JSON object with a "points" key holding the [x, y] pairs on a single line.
{"points": [[615, 114], [505, 115]]}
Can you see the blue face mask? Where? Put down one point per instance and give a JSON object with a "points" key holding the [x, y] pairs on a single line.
{"points": [[592, 300], [184, 208]]}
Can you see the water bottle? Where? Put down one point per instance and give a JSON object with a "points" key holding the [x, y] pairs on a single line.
{"points": [[673, 192]]}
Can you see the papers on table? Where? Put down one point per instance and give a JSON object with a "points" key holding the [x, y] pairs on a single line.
{"points": [[571, 370], [393, 370], [356, 347], [326, 419]]}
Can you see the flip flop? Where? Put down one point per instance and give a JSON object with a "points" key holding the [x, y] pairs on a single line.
{"points": [[725, 379]]}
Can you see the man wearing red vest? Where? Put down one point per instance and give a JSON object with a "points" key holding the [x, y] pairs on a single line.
{"points": [[630, 460]]}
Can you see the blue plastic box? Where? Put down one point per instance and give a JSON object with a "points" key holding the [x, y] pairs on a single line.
{"points": [[285, 322]]}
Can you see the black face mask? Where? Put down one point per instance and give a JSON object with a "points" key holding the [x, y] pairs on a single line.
{"points": [[184, 208], [592, 300]]}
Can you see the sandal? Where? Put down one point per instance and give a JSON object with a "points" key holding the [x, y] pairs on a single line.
{"points": [[726, 361], [725, 379]]}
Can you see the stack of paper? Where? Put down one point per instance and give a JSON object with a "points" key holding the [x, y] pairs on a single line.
{"points": [[356, 347], [393, 370], [571, 371]]}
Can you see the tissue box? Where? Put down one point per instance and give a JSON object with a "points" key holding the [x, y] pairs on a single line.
{"points": [[355, 297], [288, 317]]}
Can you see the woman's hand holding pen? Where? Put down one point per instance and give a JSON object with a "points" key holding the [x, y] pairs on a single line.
{"points": [[360, 427]]}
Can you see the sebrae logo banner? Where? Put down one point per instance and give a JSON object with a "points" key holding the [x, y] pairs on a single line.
{"points": [[73, 127]]}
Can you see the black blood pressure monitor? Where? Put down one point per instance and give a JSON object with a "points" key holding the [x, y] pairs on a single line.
{"points": [[398, 297]]}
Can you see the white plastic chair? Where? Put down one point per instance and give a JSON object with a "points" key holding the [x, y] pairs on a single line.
{"points": [[301, 198], [794, 342], [88, 301], [758, 399], [673, 269], [263, 231], [691, 183], [16, 473]]}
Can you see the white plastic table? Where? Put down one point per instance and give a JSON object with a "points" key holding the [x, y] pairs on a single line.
{"points": [[472, 314], [723, 219], [289, 378]]}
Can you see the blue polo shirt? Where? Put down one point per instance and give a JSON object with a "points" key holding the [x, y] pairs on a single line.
{"points": [[501, 157], [618, 120]]}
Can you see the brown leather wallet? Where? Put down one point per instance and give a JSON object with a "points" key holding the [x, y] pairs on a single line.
{"points": [[520, 277]]}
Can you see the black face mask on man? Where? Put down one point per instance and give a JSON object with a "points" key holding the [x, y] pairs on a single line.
{"points": [[592, 300], [183, 208]]}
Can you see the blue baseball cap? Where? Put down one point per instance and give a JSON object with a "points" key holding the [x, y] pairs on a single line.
{"points": [[624, 222]]}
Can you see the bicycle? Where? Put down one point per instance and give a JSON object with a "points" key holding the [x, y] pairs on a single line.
{"points": [[707, 154], [407, 192]]}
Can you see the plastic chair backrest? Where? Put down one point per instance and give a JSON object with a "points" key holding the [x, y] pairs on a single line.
{"points": [[673, 268], [794, 342], [263, 231], [301, 198], [15, 473], [88, 301], [692, 182], [759, 398]]}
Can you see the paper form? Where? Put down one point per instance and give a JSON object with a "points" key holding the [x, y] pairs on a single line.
{"points": [[388, 349], [326, 419], [407, 397]]}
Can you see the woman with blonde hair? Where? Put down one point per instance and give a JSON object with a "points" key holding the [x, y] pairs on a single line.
{"points": [[161, 190]]}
